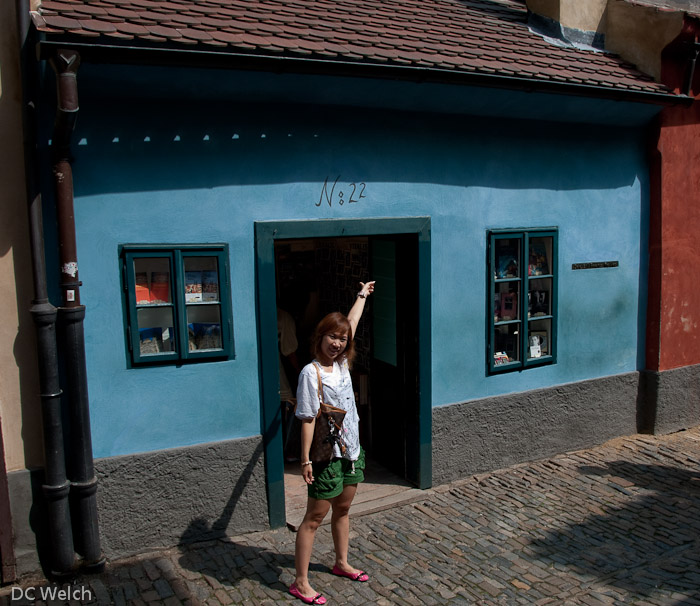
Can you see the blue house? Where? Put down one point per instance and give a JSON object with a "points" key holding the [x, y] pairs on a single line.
{"points": [[211, 162]]}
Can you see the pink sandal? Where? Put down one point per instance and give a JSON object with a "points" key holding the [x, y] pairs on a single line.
{"points": [[361, 576], [317, 599]]}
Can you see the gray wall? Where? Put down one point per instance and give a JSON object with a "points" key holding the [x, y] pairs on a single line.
{"points": [[492, 433], [673, 400], [28, 517], [155, 499], [187, 494]]}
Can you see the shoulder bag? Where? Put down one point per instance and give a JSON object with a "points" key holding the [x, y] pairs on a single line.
{"points": [[329, 422]]}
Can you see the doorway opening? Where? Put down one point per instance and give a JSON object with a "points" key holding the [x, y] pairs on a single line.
{"points": [[307, 273]]}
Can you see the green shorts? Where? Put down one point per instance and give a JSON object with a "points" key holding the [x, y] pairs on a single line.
{"points": [[330, 478]]}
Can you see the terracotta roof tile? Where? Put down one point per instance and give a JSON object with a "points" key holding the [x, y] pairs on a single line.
{"points": [[228, 37], [194, 34], [164, 32], [61, 23], [146, 3], [50, 5], [87, 32], [132, 29], [97, 25], [213, 42], [120, 36], [463, 36], [90, 10]]}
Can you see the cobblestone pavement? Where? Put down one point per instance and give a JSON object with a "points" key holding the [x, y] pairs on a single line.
{"points": [[616, 524]]}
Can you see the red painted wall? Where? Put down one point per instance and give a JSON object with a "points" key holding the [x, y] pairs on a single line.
{"points": [[673, 320], [675, 242]]}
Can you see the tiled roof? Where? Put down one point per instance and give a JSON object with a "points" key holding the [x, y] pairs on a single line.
{"points": [[476, 37]]}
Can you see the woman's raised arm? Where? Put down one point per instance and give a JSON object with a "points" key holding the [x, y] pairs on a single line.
{"points": [[355, 312]]}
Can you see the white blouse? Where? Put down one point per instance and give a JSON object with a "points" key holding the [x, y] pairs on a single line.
{"points": [[337, 391]]}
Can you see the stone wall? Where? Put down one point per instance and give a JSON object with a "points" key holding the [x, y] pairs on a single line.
{"points": [[673, 400], [187, 494], [492, 433]]}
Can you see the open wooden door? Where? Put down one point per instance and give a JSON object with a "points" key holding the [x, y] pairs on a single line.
{"points": [[394, 372]]}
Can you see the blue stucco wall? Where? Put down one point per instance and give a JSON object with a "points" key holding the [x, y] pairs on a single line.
{"points": [[197, 171]]}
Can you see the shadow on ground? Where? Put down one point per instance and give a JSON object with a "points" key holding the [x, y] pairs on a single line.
{"points": [[645, 536]]}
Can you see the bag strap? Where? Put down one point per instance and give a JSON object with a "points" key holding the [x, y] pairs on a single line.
{"points": [[320, 387]]}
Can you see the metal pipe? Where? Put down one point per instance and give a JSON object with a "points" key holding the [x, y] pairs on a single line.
{"points": [[71, 315], [83, 483], [695, 50], [56, 488]]}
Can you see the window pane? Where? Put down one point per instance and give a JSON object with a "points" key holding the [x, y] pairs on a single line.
{"points": [[539, 338], [507, 258], [507, 344], [539, 298], [505, 303], [540, 256], [204, 327], [201, 279], [155, 325], [152, 275]]}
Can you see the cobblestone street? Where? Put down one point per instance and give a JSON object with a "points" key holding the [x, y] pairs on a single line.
{"points": [[616, 524]]}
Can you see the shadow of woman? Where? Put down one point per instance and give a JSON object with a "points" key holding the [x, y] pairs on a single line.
{"points": [[206, 548]]}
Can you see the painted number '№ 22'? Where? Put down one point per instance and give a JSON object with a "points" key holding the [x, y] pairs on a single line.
{"points": [[356, 192]]}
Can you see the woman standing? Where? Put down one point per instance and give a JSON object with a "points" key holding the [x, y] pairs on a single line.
{"points": [[333, 484]]}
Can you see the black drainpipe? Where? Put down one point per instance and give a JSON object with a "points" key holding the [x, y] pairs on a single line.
{"points": [[694, 51], [56, 487], [70, 316]]}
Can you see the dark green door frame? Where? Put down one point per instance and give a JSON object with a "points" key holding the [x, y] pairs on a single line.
{"points": [[266, 232]]}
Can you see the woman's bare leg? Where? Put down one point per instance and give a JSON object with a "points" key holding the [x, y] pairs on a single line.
{"points": [[340, 527], [316, 510]]}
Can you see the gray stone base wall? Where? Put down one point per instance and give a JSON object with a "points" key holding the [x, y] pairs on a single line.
{"points": [[672, 400], [155, 499], [28, 517], [162, 498], [492, 433]]}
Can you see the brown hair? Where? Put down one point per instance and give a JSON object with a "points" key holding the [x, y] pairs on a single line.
{"points": [[334, 323]]}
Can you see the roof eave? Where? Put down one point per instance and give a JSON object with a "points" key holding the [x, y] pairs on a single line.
{"points": [[124, 53]]}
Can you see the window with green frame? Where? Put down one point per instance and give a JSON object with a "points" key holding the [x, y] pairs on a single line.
{"points": [[522, 304], [176, 303]]}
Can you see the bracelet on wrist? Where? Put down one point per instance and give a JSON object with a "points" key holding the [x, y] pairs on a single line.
{"points": [[362, 295], [305, 463]]}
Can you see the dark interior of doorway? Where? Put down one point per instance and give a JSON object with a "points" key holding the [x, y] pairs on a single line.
{"points": [[313, 278], [316, 276]]}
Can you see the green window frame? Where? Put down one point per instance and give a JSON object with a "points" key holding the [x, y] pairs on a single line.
{"points": [[522, 299], [177, 303]]}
